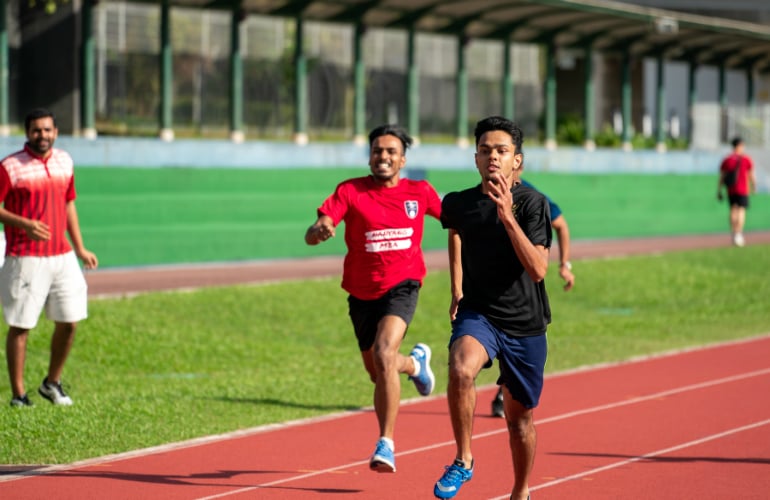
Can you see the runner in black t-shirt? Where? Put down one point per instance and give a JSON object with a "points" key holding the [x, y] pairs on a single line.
{"points": [[499, 239]]}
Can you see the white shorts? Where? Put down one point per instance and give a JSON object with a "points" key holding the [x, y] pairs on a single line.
{"points": [[30, 284]]}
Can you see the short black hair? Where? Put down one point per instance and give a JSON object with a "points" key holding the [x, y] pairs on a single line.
{"points": [[37, 114], [393, 130], [500, 123], [736, 140]]}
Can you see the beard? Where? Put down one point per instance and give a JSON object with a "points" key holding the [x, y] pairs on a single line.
{"points": [[41, 146]]}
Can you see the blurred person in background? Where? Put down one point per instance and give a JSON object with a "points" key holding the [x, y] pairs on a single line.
{"points": [[736, 174]]}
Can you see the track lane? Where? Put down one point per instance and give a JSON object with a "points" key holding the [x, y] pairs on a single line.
{"points": [[687, 417]]}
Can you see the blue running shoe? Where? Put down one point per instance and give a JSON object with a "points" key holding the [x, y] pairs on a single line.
{"points": [[454, 477], [424, 381], [383, 459]]}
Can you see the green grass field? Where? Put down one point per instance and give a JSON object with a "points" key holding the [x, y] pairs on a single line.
{"points": [[133, 217], [165, 367]]}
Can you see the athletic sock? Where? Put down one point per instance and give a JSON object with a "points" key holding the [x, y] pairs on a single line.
{"points": [[461, 463], [417, 367]]}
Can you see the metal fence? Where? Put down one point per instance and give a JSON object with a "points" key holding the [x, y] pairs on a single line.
{"points": [[128, 44]]}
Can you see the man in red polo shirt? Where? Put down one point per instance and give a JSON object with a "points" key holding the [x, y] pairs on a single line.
{"points": [[41, 271], [383, 271]]}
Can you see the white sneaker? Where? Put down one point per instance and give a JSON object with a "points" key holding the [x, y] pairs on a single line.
{"points": [[738, 240], [54, 393]]}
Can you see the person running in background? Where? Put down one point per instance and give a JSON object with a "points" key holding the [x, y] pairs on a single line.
{"points": [[736, 173], [561, 228], [41, 271], [383, 271], [499, 239]]}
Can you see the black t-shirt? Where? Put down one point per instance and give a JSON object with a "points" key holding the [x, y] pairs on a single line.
{"points": [[495, 283]]}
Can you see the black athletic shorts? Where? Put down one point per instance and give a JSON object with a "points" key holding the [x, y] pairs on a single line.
{"points": [[739, 200], [401, 301]]}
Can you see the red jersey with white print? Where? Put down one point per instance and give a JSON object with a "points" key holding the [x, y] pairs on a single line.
{"points": [[39, 189], [383, 232]]}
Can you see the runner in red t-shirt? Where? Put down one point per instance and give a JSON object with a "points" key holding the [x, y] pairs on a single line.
{"points": [[41, 271], [738, 167], [383, 272]]}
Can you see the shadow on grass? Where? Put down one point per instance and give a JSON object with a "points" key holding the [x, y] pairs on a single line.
{"points": [[290, 404]]}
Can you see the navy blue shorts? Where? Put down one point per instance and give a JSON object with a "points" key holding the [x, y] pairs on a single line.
{"points": [[521, 359], [401, 301]]}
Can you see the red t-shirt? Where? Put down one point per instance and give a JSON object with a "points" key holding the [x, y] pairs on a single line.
{"points": [[741, 186], [383, 232], [39, 189]]}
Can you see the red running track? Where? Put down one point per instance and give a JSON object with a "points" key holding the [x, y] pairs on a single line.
{"points": [[689, 425]]}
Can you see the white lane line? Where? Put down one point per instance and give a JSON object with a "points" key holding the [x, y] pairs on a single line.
{"points": [[656, 453], [679, 390], [556, 418]]}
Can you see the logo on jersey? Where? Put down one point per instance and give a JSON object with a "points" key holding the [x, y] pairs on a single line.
{"points": [[386, 240], [411, 208]]}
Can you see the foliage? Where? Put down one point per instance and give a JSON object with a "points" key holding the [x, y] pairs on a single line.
{"points": [[49, 6], [606, 137], [639, 141], [680, 143], [570, 130]]}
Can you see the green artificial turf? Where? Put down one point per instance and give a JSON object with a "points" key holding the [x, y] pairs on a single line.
{"points": [[136, 217]]}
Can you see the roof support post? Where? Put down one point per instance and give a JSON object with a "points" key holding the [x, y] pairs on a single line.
{"points": [[550, 96], [750, 98], [88, 76], [722, 97], [589, 100], [359, 86], [660, 101], [300, 83], [625, 100], [692, 97], [509, 92], [461, 91], [166, 86], [722, 85], [413, 86], [5, 129], [236, 75]]}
